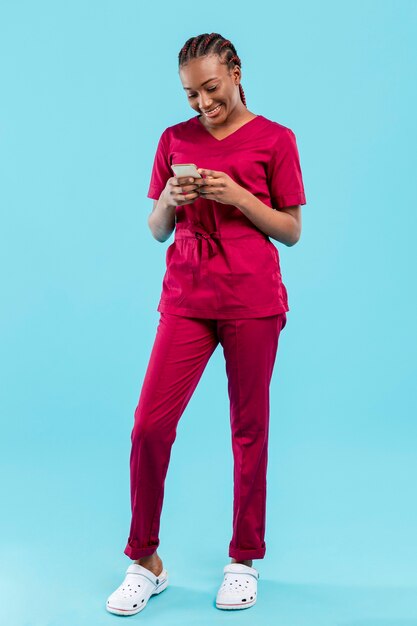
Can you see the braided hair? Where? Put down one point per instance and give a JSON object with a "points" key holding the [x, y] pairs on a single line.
{"points": [[211, 43]]}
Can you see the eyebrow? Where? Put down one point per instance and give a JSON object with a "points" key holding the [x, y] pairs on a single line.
{"points": [[206, 81]]}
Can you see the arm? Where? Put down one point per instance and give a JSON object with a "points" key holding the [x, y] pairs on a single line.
{"points": [[161, 220], [283, 225], [176, 193]]}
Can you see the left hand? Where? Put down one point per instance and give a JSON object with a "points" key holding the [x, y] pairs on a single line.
{"points": [[218, 186]]}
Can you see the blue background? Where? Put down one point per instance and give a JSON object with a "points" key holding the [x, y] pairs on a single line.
{"points": [[87, 89]]}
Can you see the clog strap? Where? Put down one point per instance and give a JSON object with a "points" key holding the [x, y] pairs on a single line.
{"points": [[240, 568], [135, 568]]}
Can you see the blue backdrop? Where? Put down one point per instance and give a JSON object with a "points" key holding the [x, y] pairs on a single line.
{"points": [[86, 90]]}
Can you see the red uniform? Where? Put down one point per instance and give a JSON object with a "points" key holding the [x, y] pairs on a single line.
{"points": [[222, 285], [220, 264]]}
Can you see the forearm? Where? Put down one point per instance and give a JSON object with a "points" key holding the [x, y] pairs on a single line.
{"points": [[162, 219], [276, 224]]}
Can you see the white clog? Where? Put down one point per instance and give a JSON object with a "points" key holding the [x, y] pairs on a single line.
{"points": [[136, 589], [239, 587]]}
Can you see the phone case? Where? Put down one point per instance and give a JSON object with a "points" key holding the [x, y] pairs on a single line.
{"points": [[185, 169]]}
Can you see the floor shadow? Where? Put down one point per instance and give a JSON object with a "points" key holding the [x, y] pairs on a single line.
{"points": [[69, 602]]}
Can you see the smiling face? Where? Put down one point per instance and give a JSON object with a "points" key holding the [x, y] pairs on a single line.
{"points": [[212, 90]]}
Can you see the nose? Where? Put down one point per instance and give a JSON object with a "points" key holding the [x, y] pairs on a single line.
{"points": [[205, 103]]}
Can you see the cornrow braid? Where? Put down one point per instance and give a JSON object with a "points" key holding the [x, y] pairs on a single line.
{"points": [[211, 43]]}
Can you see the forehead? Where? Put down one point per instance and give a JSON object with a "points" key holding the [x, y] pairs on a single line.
{"points": [[194, 73]]}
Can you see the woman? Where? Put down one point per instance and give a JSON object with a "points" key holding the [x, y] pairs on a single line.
{"points": [[222, 285]]}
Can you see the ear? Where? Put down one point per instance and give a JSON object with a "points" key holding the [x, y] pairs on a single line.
{"points": [[237, 74]]}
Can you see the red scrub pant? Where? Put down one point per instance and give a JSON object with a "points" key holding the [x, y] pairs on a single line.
{"points": [[181, 350]]}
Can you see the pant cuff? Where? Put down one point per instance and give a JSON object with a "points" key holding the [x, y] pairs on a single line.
{"points": [[135, 552], [246, 555]]}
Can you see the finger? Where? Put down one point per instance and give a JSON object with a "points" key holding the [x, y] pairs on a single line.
{"points": [[187, 197], [210, 187], [188, 188], [182, 180], [212, 173], [208, 190], [183, 196], [207, 183], [201, 185]]}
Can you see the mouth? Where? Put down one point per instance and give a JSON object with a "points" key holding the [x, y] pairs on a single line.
{"points": [[213, 112]]}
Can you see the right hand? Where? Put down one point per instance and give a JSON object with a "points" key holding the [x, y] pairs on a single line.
{"points": [[180, 190]]}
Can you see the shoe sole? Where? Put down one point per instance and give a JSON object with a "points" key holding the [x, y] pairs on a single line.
{"points": [[229, 607], [157, 590]]}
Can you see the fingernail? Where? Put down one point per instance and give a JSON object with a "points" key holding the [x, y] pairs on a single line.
{"points": [[191, 180]]}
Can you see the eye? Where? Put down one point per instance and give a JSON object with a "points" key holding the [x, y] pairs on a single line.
{"points": [[210, 89]]}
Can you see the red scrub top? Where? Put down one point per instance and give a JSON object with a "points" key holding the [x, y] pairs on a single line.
{"points": [[220, 264]]}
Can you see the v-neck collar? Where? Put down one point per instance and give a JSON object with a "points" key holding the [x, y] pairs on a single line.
{"points": [[230, 135]]}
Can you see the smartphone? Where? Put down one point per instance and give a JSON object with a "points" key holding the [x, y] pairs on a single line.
{"points": [[185, 169]]}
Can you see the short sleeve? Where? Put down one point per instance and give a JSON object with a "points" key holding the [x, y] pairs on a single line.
{"points": [[284, 175], [161, 169]]}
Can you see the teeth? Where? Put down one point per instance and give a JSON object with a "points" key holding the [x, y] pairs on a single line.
{"points": [[215, 109]]}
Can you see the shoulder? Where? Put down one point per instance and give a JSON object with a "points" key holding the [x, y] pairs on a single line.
{"points": [[180, 130], [276, 130]]}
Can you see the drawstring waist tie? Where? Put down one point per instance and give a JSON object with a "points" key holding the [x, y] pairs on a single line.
{"points": [[209, 240]]}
